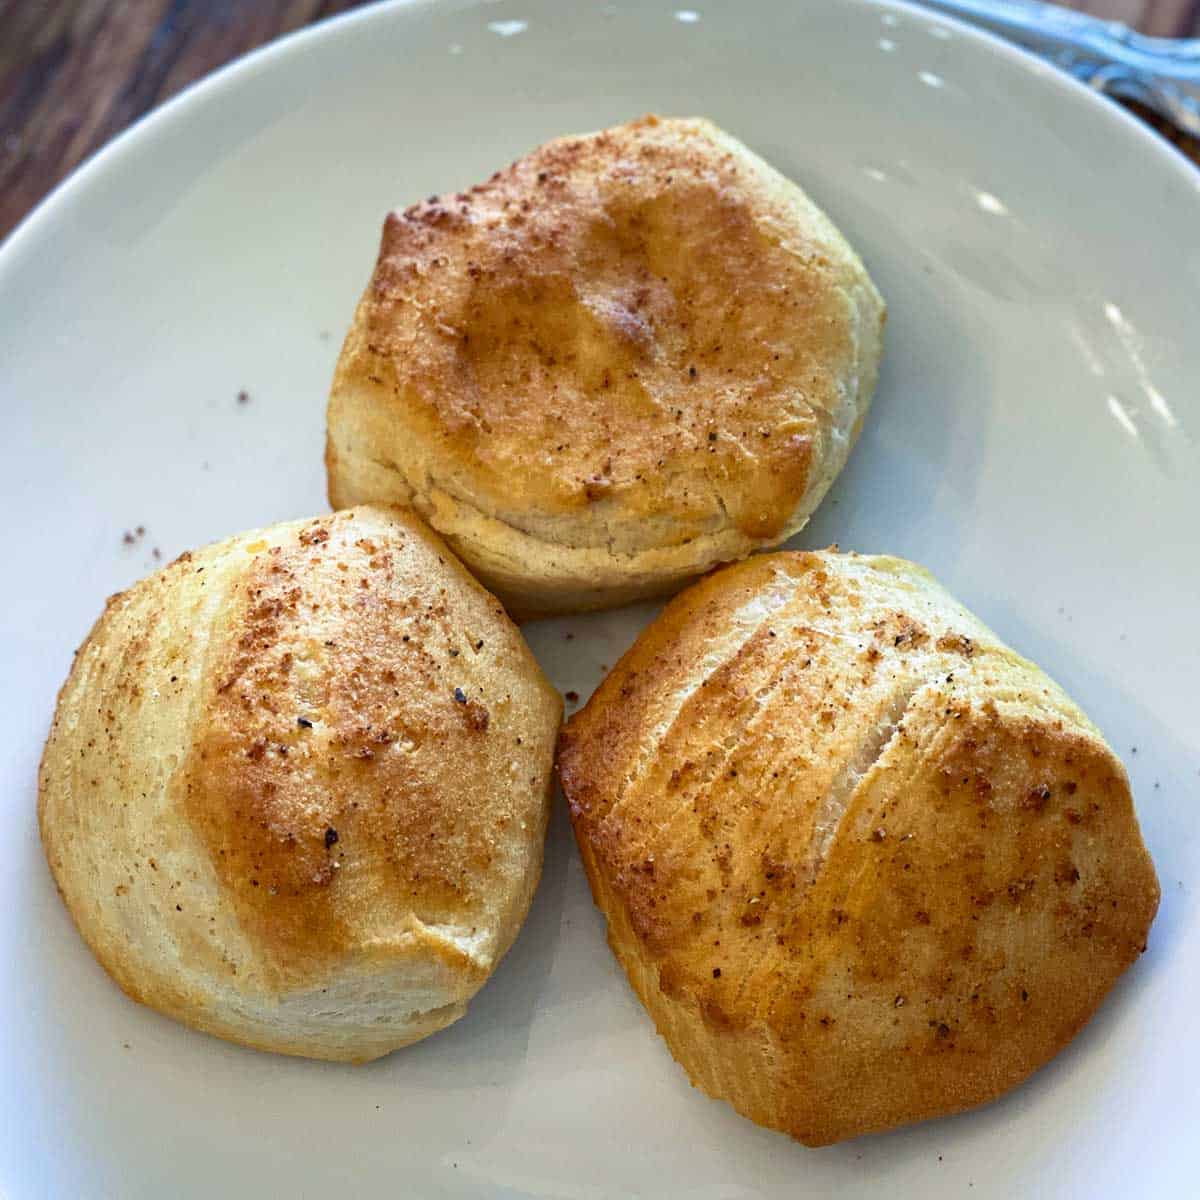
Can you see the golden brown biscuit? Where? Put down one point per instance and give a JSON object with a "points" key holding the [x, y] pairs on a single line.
{"points": [[627, 357], [296, 789], [862, 863]]}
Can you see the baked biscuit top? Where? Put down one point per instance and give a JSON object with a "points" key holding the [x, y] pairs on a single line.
{"points": [[628, 340]]}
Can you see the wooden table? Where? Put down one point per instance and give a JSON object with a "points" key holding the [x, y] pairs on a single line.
{"points": [[74, 73]]}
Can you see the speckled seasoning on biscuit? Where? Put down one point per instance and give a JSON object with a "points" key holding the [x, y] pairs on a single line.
{"points": [[265, 807], [862, 863], [627, 357]]}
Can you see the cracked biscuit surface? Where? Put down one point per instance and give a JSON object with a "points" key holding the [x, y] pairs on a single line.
{"points": [[296, 788], [625, 358], [862, 863]]}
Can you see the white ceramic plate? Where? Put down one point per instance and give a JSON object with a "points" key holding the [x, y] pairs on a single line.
{"points": [[1033, 442]]}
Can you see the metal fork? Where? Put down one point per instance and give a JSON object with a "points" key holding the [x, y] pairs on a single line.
{"points": [[1162, 73]]}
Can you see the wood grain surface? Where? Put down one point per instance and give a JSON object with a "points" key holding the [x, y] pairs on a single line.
{"points": [[74, 73]]}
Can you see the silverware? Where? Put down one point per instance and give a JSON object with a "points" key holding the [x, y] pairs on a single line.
{"points": [[1162, 73]]}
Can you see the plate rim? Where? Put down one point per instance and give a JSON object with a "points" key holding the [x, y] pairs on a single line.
{"points": [[196, 92], [173, 114]]}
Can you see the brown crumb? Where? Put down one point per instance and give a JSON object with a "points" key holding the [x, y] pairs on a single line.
{"points": [[243, 397], [313, 536], [572, 697], [597, 487], [478, 717]]}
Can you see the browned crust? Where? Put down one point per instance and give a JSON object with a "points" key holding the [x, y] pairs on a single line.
{"points": [[623, 342], [874, 868], [308, 756]]}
